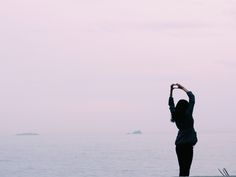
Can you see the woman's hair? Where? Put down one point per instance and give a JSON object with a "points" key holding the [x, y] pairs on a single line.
{"points": [[180, 110]]}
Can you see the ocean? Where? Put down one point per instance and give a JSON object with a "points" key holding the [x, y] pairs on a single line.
{"points": [[112, 155]]}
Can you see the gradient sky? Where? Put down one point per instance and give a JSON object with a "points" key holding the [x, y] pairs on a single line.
{"points": [[105, 65]]}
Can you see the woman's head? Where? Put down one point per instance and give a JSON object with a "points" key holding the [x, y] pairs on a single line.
{"points": [[181, 106], [180, 110]]}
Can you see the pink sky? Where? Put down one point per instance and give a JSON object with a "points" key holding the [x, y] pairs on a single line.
{"points": [[74, 66]]}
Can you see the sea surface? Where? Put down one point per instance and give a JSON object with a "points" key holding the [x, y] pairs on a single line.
{"points": [[111, 155]]}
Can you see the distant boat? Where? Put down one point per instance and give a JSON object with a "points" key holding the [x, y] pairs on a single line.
{"points": [[136, 132], [27, 134]]}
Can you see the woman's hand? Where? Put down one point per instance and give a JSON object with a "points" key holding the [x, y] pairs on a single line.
{"points": [[181, 87], [172, 86], [171, 89]]}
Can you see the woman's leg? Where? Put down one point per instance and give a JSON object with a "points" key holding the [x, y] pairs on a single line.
{"points": [[185, 157]]}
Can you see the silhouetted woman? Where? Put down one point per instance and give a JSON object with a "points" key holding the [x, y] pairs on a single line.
{"points": [[181, 114]]}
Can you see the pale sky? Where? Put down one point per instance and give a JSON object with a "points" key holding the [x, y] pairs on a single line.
{"points": [[106, 65]]}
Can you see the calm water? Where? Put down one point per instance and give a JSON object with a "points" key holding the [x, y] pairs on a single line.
{"points": [[116, 155]]}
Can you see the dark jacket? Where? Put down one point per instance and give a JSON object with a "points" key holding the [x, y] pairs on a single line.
{"points": [[186, 134]]}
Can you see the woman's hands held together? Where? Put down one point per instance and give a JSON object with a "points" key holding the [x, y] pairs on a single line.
{"points": [[178, 86]]}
